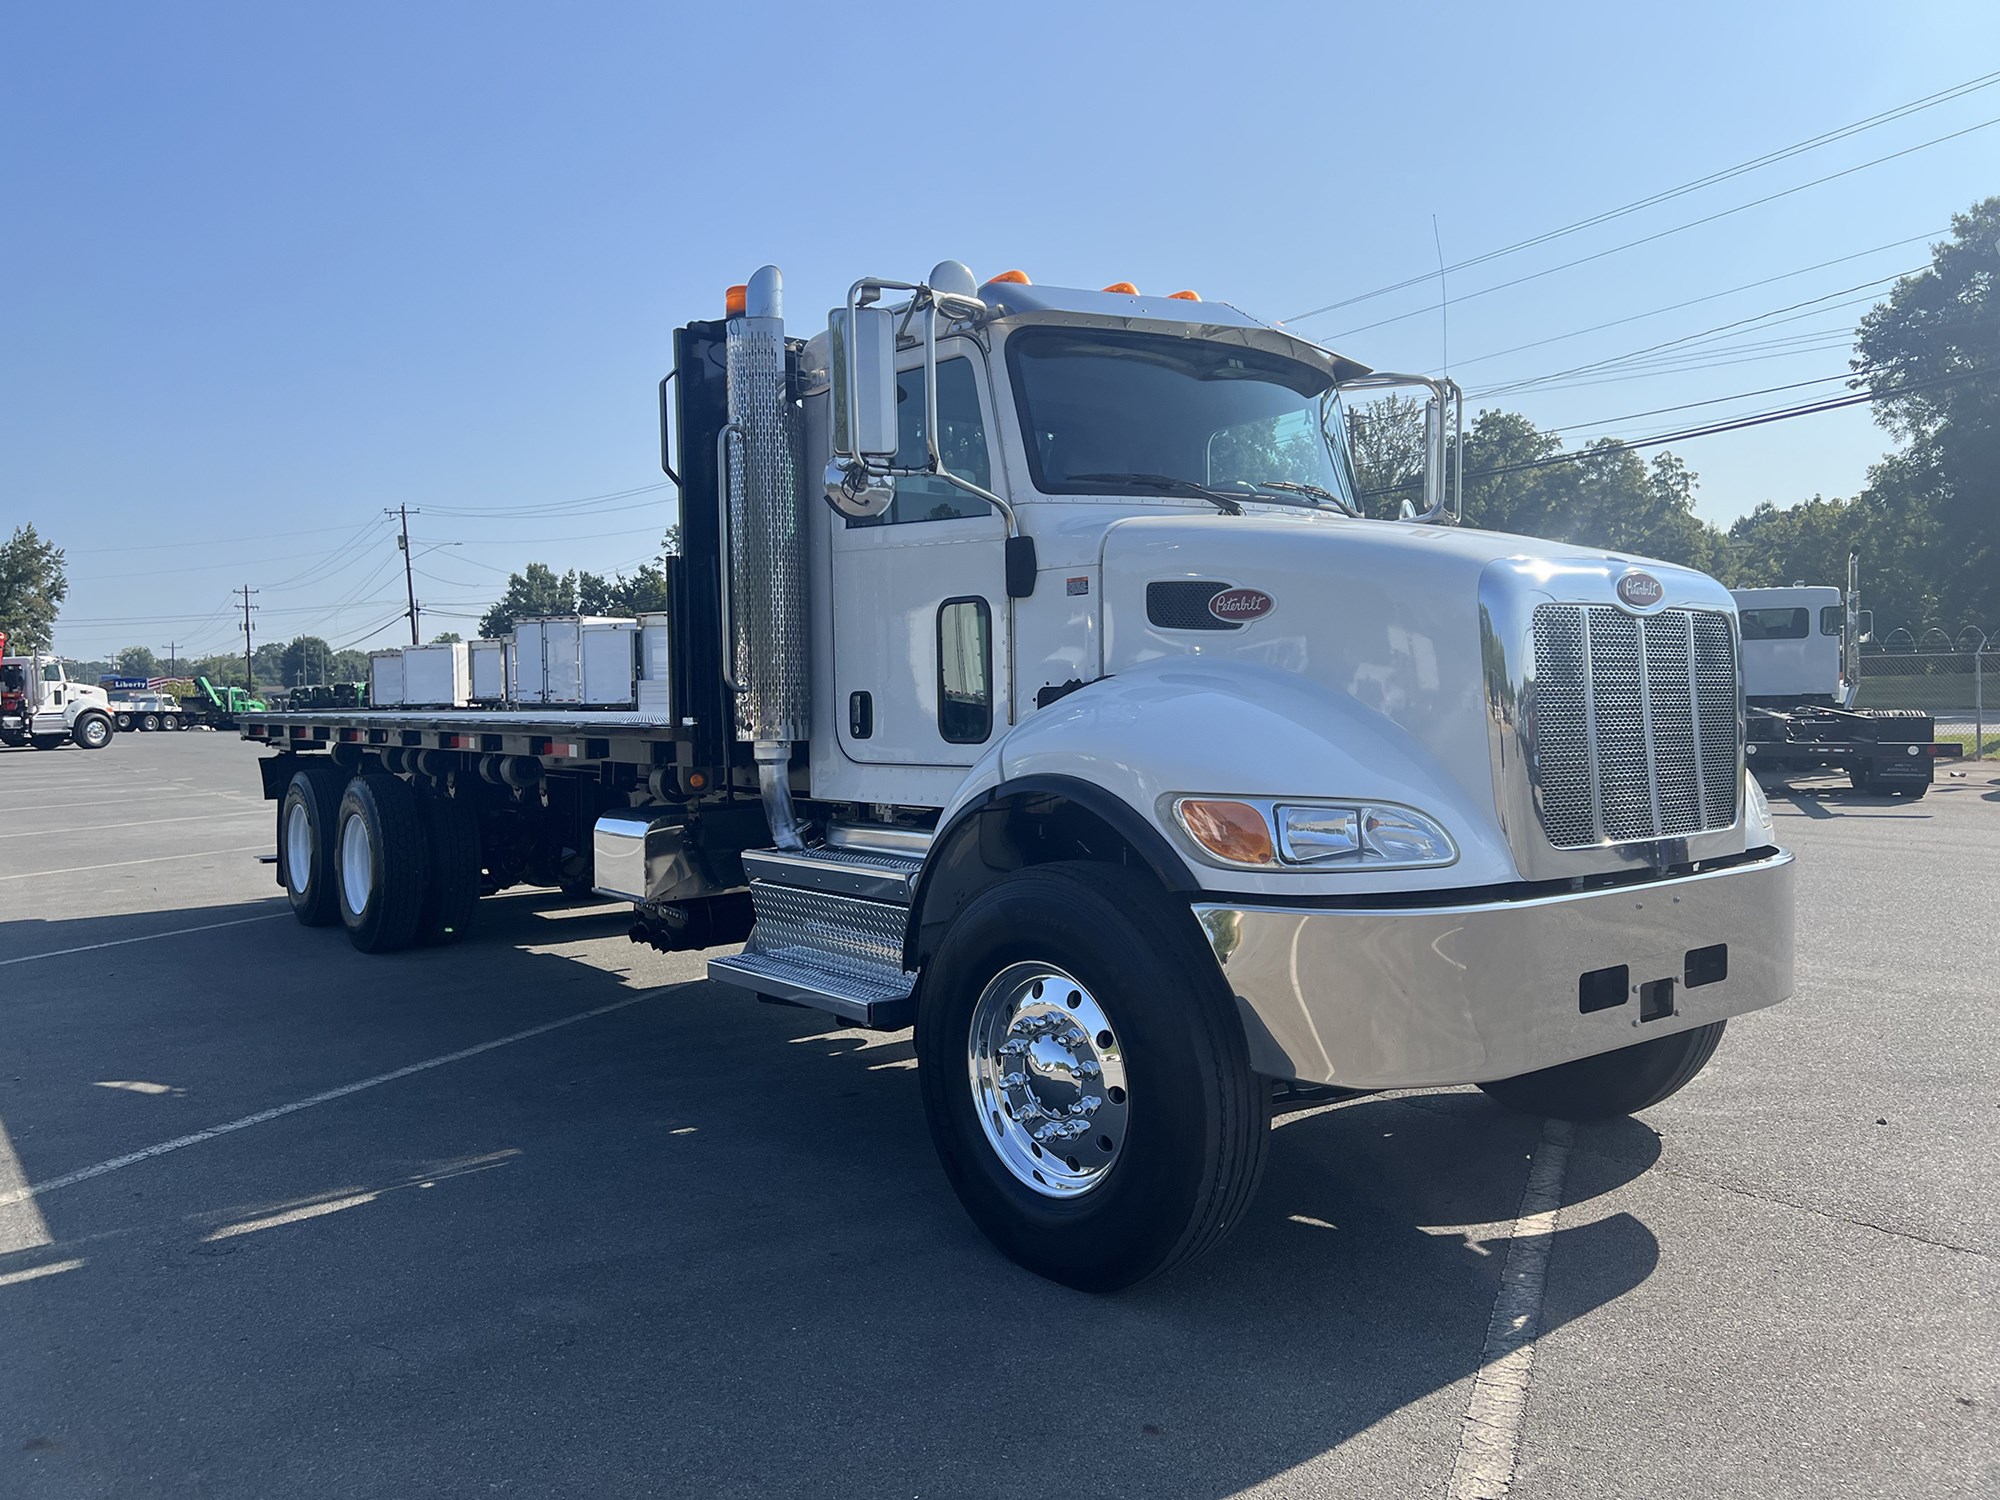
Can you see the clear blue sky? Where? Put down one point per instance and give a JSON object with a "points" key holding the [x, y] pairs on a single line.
{"points": [[270, 268]]}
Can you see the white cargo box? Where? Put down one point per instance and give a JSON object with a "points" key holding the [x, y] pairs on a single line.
{"points": [[385, 679], [656, 691], [436, 676], [490, 660], [577, 660]]}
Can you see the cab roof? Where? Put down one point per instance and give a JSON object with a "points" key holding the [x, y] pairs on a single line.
{"points": [[1011, 302]]}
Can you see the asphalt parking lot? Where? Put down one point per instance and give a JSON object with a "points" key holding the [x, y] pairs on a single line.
{"points": [[547, 1214]]}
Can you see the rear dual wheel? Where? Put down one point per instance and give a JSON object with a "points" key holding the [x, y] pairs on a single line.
{"points": [[391, 864]]}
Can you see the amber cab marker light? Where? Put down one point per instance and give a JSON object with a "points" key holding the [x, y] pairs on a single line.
{"points": [[1234, 831], [1123, 286], [735, 300], [1184, 296], [1012, 278]]}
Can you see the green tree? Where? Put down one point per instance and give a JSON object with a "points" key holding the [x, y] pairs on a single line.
{"points": [[136, 661], [645, 590], [446, 638], [1934, 348], [33, 585], [536, 590], [348, 666], [303, 659]]}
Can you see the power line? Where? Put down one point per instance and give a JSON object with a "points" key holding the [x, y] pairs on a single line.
{"points": [[1733, 424], [1774, 317], [1697, 301], [1675, 229], [1914, 106]]}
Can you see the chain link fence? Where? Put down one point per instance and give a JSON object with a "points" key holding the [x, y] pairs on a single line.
{"points": [[1956, 682]]}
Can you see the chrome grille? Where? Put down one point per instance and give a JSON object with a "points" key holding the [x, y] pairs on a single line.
{"points": [[1635, 724]]}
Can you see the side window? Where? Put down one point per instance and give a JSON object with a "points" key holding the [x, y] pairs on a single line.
{"points": [[961, 444], [1831, 618], [965, 671], [52, 671], [1776, 624]]}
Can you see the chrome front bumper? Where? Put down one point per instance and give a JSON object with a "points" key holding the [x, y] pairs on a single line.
{"points": [[1414, 995]]}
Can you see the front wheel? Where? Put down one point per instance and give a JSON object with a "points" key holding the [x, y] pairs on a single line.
{"points": [[1086, 1078], [1613, 1083], [91, 732]]}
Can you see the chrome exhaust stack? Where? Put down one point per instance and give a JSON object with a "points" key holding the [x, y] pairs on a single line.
{"points": [[764, 547]]}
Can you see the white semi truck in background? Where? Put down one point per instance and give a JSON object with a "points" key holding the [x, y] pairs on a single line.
{"points": [[1032, 676], [40, 706], [1801, 674]]}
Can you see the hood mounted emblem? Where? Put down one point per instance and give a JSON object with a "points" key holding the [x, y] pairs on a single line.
{"points": [[1235, 606], [1641, 592]]}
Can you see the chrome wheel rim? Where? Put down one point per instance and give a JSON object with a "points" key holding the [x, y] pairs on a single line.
{"points": [[298, 848], [1047, 1072], [357, 872]]}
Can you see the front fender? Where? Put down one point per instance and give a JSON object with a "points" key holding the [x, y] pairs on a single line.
{"points": [[1233, 728]]}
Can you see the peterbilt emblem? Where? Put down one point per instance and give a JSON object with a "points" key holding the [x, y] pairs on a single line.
{"points": [[1640, 591], [1238, 605]]}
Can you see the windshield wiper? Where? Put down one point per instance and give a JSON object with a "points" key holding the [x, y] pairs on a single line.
{"points": [[1311, 491], [1168, 484]]}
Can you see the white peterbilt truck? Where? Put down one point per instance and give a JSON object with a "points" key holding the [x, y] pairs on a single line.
{"points": [[41, 706], [1032, 676]]}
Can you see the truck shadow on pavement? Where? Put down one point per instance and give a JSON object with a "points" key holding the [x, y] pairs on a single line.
{"points": [[701, 1246]]}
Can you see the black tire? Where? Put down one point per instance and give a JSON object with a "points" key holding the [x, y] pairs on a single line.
{"points": [[307, 872], [48, 741], [1197, 1120], [91, 731], [451, 829], [1613, 1083], [149, 722], [381, 814], [125, 721]]}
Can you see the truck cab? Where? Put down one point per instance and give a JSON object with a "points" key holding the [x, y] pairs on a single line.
{"points": [[41, 706], [1795, 645]]}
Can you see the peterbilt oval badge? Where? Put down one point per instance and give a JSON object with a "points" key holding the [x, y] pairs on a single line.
{"points": [[1238, 605], [1640, 591]]}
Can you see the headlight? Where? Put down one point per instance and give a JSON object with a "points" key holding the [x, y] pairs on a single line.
{"points": [[1258, 834]]}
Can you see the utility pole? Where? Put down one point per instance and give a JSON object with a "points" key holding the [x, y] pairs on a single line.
{"points": [[173, 656], [249, 671], [409, 583]]}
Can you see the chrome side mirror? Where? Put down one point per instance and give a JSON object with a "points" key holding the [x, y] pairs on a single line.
{"points": [[862, 368], [862, 374]]}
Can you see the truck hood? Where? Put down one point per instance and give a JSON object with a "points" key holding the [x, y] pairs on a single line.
{"points": [[1385, 615]]}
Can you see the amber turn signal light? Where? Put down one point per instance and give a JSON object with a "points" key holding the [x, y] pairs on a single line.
{"points": [[1234, 831]]}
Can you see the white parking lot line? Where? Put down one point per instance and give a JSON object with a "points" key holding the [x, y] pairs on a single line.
{"points": [[120, 864], [149, 937], [1489, 1441], [35, 1190], [121, 827]]}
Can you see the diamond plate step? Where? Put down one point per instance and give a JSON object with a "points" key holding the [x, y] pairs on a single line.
{"points": [[877, 875], [823, 948], [865, 999]]}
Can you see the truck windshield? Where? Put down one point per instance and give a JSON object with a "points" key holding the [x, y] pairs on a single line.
{"points": [[1099, 403]]}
